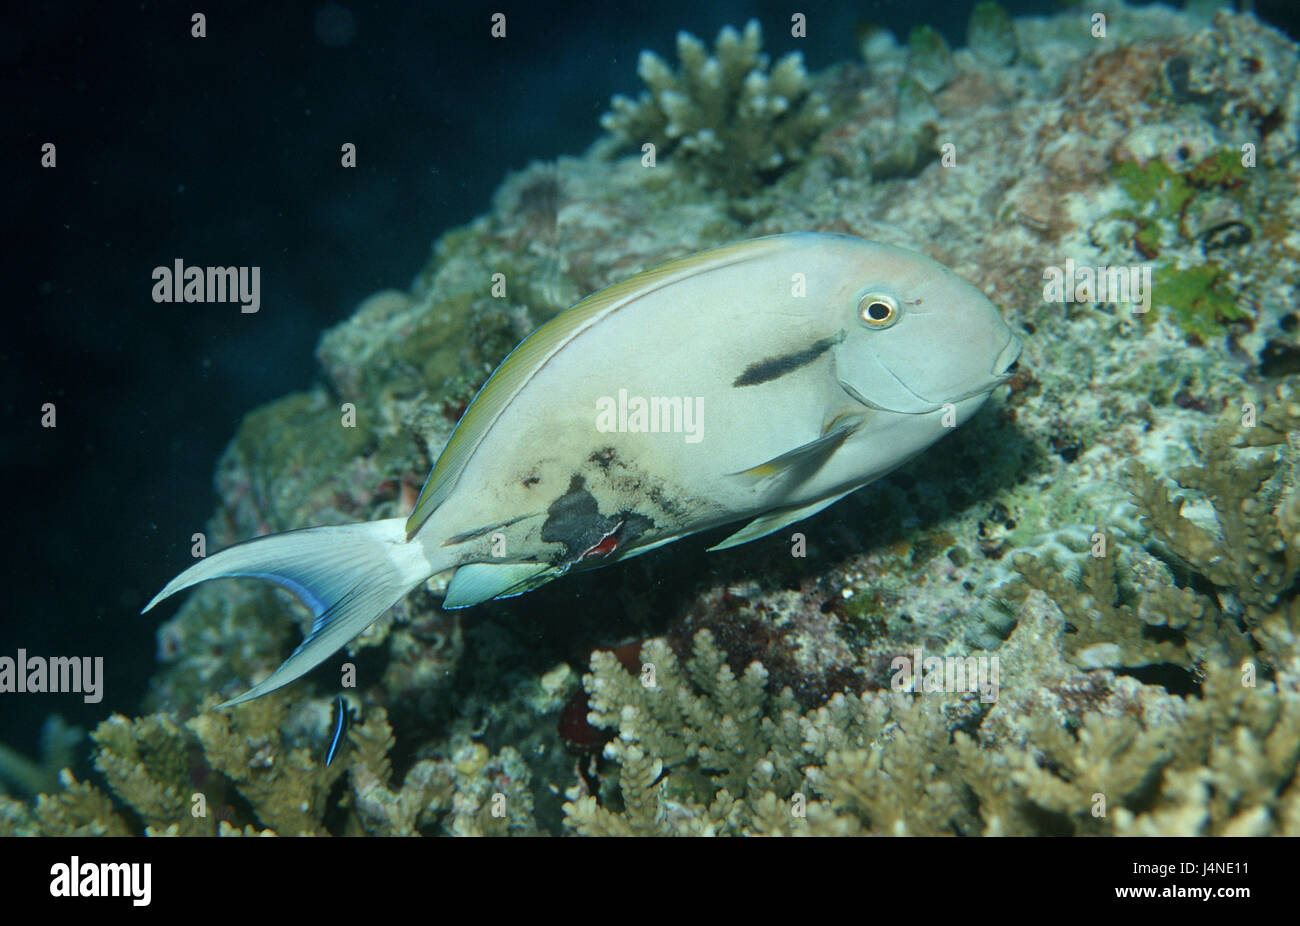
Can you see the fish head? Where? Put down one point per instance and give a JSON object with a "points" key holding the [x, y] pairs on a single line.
{"points": [[915, 336]]}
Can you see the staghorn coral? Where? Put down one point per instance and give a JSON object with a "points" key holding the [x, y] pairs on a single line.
{"points": [[727, 116], [147, 763], [380, 809], [924, 765], [79, 809], [712, 732], [1248, 560], [1252, 556], [1115, 624], [702, 752], [234, 773], [1256, 526], [286, 787]]}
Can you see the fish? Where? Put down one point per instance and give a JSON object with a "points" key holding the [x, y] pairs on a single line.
{"points": [[341, 718], [760, 382]]}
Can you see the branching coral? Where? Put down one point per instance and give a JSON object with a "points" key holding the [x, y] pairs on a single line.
{"points": [[714, 733], [726, 115], [1249, 562], [901, 764], [1254, 555], [238, 773], [147, 764], [79, 809], [285, 785], [381, 809], [1121, 624]]}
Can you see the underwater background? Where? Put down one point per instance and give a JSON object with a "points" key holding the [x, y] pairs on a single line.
{"points": [[475, 155]]}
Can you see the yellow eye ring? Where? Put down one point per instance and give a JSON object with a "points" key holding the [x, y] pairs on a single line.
{"points": [[877, 310]]}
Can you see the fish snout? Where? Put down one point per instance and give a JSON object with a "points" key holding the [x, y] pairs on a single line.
{"points": [[1008, 359]]}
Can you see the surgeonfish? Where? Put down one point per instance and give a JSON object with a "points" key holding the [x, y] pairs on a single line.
{"points": [[758, 382]]}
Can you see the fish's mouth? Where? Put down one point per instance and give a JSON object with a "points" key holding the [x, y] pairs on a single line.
{"points": [[1008, 361], [1004, 367]]}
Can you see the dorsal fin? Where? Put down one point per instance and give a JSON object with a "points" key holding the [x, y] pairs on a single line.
{"points": [[538, 348]]}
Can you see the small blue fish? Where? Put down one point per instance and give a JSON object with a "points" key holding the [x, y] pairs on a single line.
{"points": [[341, 712]]}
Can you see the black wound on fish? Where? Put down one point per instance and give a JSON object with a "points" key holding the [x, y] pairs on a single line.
{"points": [[574, 520], [774, 367]]}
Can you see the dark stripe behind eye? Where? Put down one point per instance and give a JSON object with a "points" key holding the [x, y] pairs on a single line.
{"points": [[775, 367]]}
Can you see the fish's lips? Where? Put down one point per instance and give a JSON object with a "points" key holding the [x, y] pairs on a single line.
{"points": [[1004, 365]]}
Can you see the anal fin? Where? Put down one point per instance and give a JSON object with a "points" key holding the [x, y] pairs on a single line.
{"points": [[775, 520]]}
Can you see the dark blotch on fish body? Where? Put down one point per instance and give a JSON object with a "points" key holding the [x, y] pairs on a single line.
{"points": [[574, 520], [776, 367]]}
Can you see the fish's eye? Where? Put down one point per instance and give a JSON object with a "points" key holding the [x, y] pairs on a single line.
{"points": [[878, 310]]}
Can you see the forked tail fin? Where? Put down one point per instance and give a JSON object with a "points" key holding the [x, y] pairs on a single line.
{"points": [[348, 575]]}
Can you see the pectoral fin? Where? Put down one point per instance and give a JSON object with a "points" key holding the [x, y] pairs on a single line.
{"points": [[474, 583], [807, 458], [774, 521]]}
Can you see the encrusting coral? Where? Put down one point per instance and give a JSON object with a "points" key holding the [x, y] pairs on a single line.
{"points": [[726, 115]]}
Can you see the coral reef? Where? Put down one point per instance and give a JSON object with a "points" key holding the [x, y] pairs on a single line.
{"points": [[991, 35], [1247, 563], [726, 115], [1149, 672], [929, 59], [25, 776], [240, 773], [701, 752]]}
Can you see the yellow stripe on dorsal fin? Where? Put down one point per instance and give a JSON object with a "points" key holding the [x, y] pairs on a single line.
{"points": [[538, 348]]}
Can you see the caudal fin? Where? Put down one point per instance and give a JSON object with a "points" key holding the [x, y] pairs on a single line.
{"points": [[348, 575]]}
